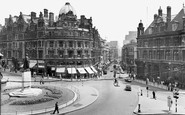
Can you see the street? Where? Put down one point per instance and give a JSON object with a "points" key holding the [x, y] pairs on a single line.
{"points": [[113, 100]]}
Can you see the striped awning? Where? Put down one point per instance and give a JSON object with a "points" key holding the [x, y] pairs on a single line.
{"points": [[81, 70], [60, 70], [1, 54], [32, 64], [71, 70], [94, 69], [88, 69]]}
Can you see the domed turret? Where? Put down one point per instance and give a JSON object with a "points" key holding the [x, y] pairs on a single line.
{"points": [[66, 9]]}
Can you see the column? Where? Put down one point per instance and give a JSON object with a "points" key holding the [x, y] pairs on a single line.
{"points": [[75, 53]]}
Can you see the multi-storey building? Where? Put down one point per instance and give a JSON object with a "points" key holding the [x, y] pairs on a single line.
{"points": [[129, 55], [161, 48], [130, 37], [51, 44], [104, 53], [113, 45]]}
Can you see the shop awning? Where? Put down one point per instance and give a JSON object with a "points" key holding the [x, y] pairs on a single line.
{"points": [[71, 70], [88, 69], [60, 70], [32, 64], [1, 54], [53, 68], [40, 66], [94, 69], [81, 70]]}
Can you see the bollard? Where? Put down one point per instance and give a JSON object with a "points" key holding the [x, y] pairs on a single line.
{"points": [[141, 93], [175, 105], [139, 109]]}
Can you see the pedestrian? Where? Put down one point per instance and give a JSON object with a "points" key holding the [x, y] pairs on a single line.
{"points": [[154, 97], [115, 82], [141, 92], [56, 108], [40, 81]]}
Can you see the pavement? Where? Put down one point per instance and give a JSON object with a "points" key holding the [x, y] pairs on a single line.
{"points": [[159, 106]]}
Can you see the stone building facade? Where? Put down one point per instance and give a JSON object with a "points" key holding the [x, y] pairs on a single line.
{"points": [[129, 55], [161, 48], [67, 42]]}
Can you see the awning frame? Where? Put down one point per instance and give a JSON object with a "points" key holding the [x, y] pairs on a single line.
{"points": [[81, 70], [88, 69], [60, 68], [94, 69], [71, 71]]}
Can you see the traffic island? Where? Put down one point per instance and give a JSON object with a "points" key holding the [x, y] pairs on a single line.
{"points": [[41, 103]]}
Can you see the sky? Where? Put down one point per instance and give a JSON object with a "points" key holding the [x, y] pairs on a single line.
{"points": [[113, 18]]}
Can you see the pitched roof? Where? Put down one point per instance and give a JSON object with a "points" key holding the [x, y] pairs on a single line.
{"points": [[178, 20], [26, 18], [163, 17]]}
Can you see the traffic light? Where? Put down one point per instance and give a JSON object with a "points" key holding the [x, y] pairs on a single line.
{"points": [[176, 95]]}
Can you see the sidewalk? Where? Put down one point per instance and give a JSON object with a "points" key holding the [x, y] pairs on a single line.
{"points": [[149, 106]]}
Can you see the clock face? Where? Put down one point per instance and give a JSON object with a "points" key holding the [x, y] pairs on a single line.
{"points": [[174, 26]]}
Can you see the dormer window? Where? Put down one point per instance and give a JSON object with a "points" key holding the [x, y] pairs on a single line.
{"points": [[175, 25], [150, 30]]}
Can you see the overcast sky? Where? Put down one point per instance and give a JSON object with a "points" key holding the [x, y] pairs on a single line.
{"points": [[113, 18]]}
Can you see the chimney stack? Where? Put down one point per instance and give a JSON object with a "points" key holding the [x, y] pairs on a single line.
{"points": [[33, 15], [168, 14], [46, 13], [51, 18], [160, 12], [155, 16]]}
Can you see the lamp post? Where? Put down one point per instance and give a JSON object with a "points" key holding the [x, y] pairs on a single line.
{"points": [[169, 77], [1, 76]]}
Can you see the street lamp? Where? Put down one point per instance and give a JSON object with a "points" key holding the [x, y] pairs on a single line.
{"points": [[170, 69]]}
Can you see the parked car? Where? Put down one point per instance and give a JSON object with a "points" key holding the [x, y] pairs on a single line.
{"points": [[128, 80], [104, 72], [128, 88]]}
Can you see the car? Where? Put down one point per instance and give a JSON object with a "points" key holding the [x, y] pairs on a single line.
{"points": [[128, 80], [128, 88], [104, 72]]}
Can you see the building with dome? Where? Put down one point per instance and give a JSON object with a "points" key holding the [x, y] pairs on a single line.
{"points": [[63, 47], [161, 48]]}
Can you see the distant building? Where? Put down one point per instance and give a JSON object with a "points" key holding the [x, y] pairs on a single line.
{"points": [[129, 55], [161, 48], [130, 37], [53, 45], [113, 45]]}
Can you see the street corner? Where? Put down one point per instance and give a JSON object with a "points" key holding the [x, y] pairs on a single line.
{"points": [[147, 105], [87, 96]]}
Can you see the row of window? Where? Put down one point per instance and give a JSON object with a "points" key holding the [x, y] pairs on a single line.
{"points": [[51, 44], [175, 41], [167, 55]]}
